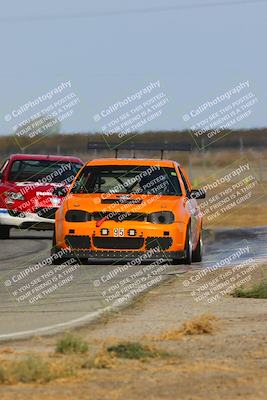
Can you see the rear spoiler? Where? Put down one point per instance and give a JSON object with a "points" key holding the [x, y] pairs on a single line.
{"points": [[139, 146]]}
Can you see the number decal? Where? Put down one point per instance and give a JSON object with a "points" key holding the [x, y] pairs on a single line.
{"points": [[118, 232]]}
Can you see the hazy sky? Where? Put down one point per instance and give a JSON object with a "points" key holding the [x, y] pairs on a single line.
{"points": [[195, 53]]}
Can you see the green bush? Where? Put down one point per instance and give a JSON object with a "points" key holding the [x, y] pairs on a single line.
{"points": [[71, 343], [132, 350], [258, 291]]}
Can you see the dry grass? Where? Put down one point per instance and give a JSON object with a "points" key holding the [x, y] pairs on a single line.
{"points": [[42, 369], [102, 360], [34, 368], [200, 325], [7, 350]]}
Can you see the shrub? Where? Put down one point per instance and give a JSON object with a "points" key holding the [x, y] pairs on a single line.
{"points": [[258, 291], [132, 350], [71, 343]]}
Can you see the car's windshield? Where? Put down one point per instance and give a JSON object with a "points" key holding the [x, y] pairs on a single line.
{"points": [[43, 171], [128, 179]]}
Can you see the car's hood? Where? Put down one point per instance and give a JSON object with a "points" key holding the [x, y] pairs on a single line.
{"points": [[124, 203], [28, 189]]}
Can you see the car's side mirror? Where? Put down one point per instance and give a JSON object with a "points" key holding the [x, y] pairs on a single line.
{"points": [[198, 194]]}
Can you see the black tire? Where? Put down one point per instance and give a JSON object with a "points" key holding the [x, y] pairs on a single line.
{"points": [[82, 261], [188, 249], [58, 260], [54, 239], [61, 260], [54, 251], [54, 247], [4, 232], [198, 252], [188, 246]]}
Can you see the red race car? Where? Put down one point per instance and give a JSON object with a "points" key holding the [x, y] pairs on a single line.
{"points": [[32, 188]]}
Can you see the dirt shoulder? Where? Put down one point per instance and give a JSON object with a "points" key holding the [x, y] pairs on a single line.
{"points": [[229, 363]]}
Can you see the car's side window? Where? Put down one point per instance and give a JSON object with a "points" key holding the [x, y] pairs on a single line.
{"points": [[185, 183]]}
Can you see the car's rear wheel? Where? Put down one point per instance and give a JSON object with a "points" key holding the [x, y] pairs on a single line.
{"points": [[197, 253], [4, 232], [188, 249]]}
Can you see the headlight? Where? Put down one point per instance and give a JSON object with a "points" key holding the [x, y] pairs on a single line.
{"points": [[77, 216], [163, 217], [14, 195]]}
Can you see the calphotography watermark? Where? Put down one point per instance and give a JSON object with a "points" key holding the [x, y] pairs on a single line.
{"points": [[212, 120], [38, 281], [212, 283], [132, 113], [124, 282], [42, 115], [228, 190]]}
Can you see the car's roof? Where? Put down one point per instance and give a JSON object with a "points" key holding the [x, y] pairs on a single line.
{"points": [[44, 157], [131, 161]]}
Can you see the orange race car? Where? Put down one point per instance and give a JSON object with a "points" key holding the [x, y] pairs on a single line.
{"points": [[121, 208]]}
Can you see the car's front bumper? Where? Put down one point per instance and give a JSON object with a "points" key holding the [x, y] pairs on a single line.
{"points": [[116, 254], [28, 221]]}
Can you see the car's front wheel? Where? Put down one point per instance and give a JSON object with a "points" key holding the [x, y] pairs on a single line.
{"points": [[188, 246], [4, 232], [188, 249], [57, 258], [197, 253]]}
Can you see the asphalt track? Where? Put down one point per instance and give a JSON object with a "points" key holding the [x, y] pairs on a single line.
{"points": [[83, 292]]}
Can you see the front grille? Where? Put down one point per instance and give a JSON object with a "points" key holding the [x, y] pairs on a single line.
{"points": [[163, 243], [78, 242], [15, 213], [119, 216], [48, 213], [117, 243]]}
